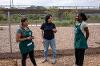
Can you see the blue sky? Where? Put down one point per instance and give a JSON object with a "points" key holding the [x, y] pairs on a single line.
{"points": [[53, 2]]}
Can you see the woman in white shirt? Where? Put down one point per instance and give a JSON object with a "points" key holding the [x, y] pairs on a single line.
{"points": [[80, 39]]}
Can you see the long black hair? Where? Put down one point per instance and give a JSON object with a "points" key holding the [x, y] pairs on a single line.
{"points": [[84, 17], [47, 17]]}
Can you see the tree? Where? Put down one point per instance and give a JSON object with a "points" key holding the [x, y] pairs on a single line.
{"points": [[53, 11]]}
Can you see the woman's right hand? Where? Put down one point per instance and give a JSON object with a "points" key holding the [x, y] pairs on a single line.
{"points": [[30, 37], [54, 30]]}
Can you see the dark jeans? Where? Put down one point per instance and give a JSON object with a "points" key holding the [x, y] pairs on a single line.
{"points": [[31, 55], [79, 55]]}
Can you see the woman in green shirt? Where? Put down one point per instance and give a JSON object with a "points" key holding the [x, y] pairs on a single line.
{"points": [[81, 37], [26, 45]]}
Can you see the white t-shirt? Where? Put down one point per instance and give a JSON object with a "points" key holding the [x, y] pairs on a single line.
{"points": [[83, 25]]}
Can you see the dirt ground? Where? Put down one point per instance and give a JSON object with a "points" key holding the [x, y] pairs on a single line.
{"points": [[90, 60], [64, 38]]}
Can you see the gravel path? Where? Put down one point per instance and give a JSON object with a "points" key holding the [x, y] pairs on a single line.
{"points": [[90, 60]]}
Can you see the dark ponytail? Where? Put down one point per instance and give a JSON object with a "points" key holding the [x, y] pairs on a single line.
{"points": [[84, 18]]}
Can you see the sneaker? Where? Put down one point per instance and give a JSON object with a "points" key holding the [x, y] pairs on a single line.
{"points": [[45, 61], [53, 61]]}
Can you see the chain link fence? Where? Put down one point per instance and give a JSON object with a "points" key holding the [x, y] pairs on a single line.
{"points": [[63, 18]]}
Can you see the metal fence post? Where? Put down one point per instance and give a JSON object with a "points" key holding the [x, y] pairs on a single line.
{"points": [[9, 21]]}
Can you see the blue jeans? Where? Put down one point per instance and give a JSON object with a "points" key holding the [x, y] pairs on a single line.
{"points": [[52, 44]]}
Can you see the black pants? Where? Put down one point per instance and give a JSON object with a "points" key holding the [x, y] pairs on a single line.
{"points": [[79, 55], [31, 55]]}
